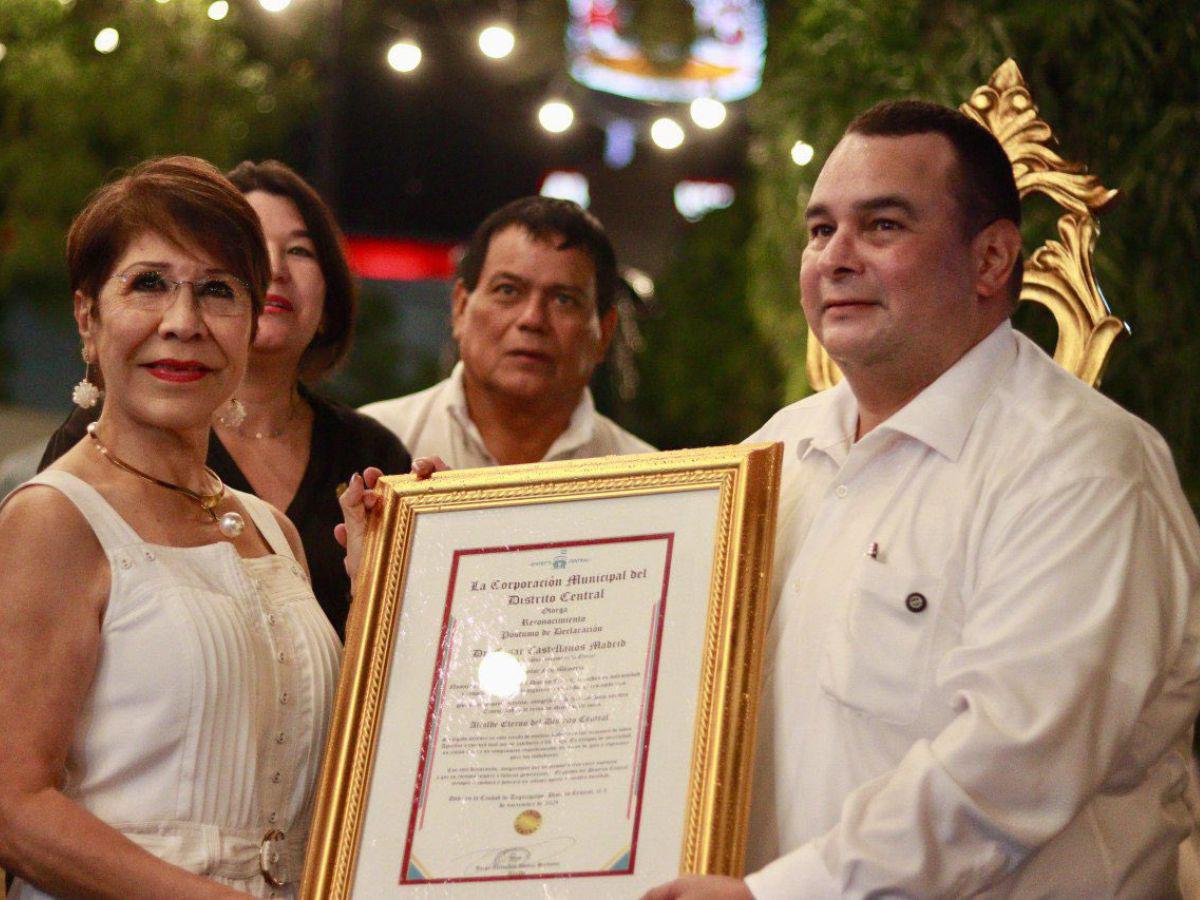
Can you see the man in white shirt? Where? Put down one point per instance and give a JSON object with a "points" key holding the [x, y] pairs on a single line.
{"points": [[983, 657], [533, 314]]}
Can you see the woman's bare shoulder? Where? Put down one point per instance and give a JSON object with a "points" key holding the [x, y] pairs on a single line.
{"points": [[52, 552], [32, 505]]}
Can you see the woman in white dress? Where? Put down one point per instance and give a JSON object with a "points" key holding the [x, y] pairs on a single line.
{"points": [[166, 676]]}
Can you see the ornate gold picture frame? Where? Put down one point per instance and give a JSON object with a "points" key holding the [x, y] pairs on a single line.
{"points": [[551, 680]]}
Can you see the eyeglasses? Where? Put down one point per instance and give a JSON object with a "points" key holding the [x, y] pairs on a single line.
{"points": [[152, 291]]}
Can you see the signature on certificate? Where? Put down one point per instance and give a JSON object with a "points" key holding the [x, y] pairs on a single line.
{"points": [[543, 855]]}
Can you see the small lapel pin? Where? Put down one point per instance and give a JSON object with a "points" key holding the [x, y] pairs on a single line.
{"points": [[873, 550]]}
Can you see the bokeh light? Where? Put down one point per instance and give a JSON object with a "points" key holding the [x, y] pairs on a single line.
{"points": [[404, 56], [218, 10], [496, 41], [556, 116], [566, 185], [708, 112], [666, 133], [802, 153], [107, 40], [642, 284], [696, 199]]}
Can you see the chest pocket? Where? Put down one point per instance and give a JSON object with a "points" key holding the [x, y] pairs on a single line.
{"points": [[877, 652]]}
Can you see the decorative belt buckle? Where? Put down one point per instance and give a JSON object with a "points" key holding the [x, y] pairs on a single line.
{"points": [[269, 857]]}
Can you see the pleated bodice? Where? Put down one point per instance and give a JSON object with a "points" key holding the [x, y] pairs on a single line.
{"points": [[211, 699]]}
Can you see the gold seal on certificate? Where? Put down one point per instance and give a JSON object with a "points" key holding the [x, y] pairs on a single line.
{"points": [[528, 822], [551, 681]]}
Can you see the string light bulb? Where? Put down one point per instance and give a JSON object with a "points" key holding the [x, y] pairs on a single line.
{"points": [[708, 112], [274, 6], [404, 56], [107, 40], [666, 133], [556, 116], [496, 41], [218, 10], [802, 153]]}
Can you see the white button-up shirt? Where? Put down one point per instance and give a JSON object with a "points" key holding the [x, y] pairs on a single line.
{"points": [[435, 422], [984, 647]]}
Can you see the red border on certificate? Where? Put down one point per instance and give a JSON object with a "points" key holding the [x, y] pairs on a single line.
{"points": [[437, 690]]}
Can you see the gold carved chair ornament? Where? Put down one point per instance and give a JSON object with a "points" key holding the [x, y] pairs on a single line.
{"points": [[1058, 274]]}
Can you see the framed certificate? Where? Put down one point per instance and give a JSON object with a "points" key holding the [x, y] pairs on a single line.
{"points": [[551, 680]]}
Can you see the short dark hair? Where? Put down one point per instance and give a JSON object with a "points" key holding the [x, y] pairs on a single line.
{"points": [[984, 186], [548, 218], [333, 339], [185, 199]]}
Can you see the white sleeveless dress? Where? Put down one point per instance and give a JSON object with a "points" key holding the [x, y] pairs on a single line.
{"points": [[205, 724]]}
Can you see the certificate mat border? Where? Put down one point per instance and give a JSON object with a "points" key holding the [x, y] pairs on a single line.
{"points": [[747, 477]]}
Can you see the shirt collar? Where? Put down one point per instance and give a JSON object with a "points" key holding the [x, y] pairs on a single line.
{"points": [[454, 401], [580, 429], [835, 425], [941, 416]]}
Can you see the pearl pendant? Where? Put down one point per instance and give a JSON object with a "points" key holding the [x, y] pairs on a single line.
{"points": [[231, 525]]}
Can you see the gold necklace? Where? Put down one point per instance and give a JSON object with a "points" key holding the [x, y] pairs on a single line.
{"points": [[230, 524]]}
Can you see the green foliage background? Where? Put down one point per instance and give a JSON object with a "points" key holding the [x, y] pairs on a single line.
{"points": [[709, 375], [1115, 79], [71, 117]]}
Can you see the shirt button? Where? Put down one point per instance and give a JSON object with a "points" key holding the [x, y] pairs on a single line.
{"points": [[283, 698], [126, 562], [275, 778], [150, 555], [272, 817], [841, 490], [271, 618], [281, 656], [280, 738], [916, 602]]}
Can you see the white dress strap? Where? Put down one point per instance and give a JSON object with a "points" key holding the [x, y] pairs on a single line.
{"points": [[264, 519], [111, 530]]}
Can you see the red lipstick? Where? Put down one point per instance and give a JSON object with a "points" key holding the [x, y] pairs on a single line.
{"points": [[178, 371], [276, 303]]}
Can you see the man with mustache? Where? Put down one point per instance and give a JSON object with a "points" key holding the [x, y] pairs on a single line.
{"points": [[983, 657], [533, 313]]}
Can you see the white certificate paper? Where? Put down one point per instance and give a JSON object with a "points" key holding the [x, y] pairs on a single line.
{"points": [[475, 794], [540, 711]]}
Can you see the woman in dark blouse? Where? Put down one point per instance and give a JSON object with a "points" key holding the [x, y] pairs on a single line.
{"points": [[294, 448]]}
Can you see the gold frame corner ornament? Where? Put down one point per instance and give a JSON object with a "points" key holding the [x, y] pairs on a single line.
{"points": [[730, 672], [1058, 275]]}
